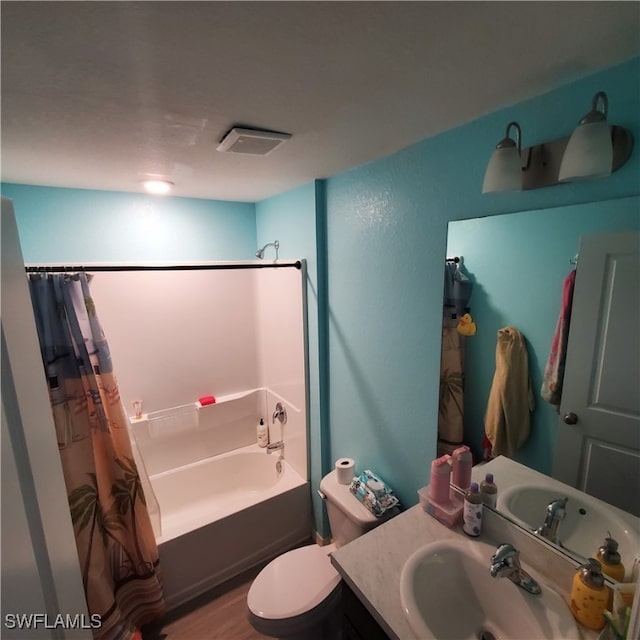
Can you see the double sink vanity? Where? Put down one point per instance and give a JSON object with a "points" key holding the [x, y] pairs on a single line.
{"points": [[419, 579]]}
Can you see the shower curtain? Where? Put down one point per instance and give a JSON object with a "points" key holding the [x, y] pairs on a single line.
{"points": [[457, 292], [451, 406], [116, 545]]}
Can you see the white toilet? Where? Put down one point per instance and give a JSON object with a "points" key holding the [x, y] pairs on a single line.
{"points": [[297, 596]]}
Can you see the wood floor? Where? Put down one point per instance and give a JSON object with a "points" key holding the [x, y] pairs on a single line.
{"points": [[220, 614]]}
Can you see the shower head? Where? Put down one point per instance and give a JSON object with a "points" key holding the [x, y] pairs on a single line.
{"points": [[275, 245]]}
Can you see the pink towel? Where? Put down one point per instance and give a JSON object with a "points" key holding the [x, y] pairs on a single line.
{"points": [[551, 390]]}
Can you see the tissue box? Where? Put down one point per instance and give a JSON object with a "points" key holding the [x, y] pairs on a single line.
{"points": [[449, 514]]}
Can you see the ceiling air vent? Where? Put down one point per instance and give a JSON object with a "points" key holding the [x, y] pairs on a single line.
{"points": [[253, 141]]}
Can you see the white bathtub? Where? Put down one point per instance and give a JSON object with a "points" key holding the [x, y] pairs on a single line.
{"points": [[208, 490], [223, 515]]}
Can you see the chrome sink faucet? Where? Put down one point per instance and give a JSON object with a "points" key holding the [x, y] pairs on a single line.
{"points": [[556, 511], [505, 563]]}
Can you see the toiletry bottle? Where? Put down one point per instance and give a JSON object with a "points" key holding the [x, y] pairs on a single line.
{"points": [[472, 514], [608, 556], [263, 434], [440, 479], [489, 491], [462, 463], [589, 595]]}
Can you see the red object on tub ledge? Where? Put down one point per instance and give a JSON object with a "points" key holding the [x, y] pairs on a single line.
{"points": [[205, 400]]}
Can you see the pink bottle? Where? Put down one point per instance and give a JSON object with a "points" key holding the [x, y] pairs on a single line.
{"points": [[440, 477], [462, 463]]}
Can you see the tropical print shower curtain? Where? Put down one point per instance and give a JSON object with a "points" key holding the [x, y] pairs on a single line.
{"points": [[116, 545], [457, 291], [451, 406]]}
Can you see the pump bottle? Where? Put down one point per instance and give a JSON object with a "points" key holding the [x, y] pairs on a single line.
{"points": [[609, 558], [262, 433], [589, 595]]}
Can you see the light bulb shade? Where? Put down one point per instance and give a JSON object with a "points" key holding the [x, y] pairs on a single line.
{"points": [[589, 153], [504, 171]]}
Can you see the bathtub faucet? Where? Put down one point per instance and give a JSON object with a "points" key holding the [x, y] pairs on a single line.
{"points": [[280, 414], [275, 446]]}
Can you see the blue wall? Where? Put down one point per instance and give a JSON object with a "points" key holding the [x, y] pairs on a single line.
{"points": [[78, 225], [518, 263], [387, 229], [381, 266]]}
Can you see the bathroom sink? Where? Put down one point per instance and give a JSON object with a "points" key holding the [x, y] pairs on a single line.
{"points": [[588, 521], [447, 593]]}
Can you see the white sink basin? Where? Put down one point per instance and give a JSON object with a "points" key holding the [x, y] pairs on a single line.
{"points": [[588, 521], [447, 593]]}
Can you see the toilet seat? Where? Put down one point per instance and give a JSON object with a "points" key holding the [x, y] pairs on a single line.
{"points": [[293, 584]]}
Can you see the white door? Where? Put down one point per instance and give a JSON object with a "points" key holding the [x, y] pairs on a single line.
{"points": [[598, 445]]}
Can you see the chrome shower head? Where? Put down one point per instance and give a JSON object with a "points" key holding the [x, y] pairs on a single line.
{"points": [[275, 245]]}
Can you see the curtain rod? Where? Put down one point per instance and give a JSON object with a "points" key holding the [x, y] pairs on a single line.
{"points": [[171, 267]]}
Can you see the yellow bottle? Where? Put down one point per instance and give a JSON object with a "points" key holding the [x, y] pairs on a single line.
{"points": [[589, 596], [608, 556]]}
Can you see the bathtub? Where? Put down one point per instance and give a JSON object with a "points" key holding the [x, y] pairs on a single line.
{"points": [[223, 515], [203, 492]]}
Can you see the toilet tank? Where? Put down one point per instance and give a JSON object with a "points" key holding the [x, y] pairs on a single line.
{"points": [[348, 517]]}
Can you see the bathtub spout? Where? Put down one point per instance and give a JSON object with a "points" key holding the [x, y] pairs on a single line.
{"points": [[275, 446]]}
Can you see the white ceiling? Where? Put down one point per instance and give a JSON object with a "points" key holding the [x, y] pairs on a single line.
{"points": [[100, 94]]}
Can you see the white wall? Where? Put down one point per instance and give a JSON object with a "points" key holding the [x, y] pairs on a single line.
{"points": [[177, 335], [280, 335]]}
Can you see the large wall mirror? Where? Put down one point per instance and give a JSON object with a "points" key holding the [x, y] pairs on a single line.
{"points": [[518, 264]]}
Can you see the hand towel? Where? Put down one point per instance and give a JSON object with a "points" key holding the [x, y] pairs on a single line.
{"points": [[507, 419], [553, 377]]}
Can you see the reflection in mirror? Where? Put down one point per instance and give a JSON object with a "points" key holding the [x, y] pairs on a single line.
{"points": [[517, 264]]}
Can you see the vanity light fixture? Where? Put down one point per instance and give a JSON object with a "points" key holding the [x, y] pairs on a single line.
{"points": [[157, 186], [594, 150], [589, 153], [504, 171]]}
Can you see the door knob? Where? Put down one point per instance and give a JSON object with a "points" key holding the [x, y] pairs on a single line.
{"points": [[570, 418]]}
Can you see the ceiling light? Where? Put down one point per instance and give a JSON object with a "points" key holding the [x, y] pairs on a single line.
{"points": [[504, 171], [157, 187], [589, 153]]}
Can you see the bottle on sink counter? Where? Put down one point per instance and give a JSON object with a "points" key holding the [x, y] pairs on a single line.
{"points": [[472, 513], [440, 479], [489, 491], [462, 461], [608, 556], [589, 595]]}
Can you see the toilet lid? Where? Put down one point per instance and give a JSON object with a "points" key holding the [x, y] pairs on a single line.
{"points": [[293, 583]]}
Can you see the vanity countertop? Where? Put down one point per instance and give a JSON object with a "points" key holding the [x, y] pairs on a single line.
{"points": [[371, 565]]}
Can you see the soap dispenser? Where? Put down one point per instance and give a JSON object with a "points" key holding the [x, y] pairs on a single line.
{"points": [[262, 432], [609, 558], [589, 595]]}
